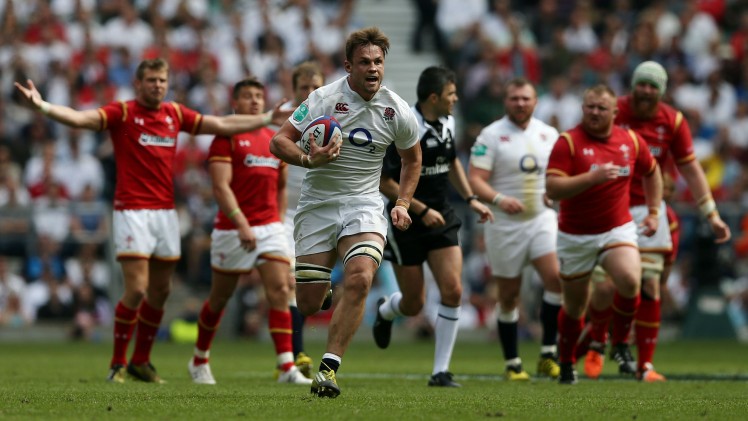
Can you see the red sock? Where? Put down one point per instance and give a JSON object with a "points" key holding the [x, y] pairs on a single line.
{"points": [[569, 330], [279, 323], [624, 310], [647, 326], [149, 320], [600, 321], [207, 325], [124, 324]]}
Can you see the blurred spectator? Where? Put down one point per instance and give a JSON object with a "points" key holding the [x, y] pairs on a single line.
{"points": [[557, 58], [43, 168], [46, 256], [579, 37], [88, 170], [426, 25], [558, 107], [543, 22], [51, 211], [128, 30], [8, 168], [699, 29], [739, 38], [12, 291], [519, 57], [50, 297], [16, 226], [209, 96], [90, 308], [88, 267], [89, 221], [459, 21]]}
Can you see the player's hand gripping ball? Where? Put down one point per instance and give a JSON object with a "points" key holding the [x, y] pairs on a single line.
{"points": [[324, 128]]}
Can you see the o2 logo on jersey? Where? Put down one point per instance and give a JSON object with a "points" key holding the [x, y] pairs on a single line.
{"points": [[529, 164], [361, 138]]}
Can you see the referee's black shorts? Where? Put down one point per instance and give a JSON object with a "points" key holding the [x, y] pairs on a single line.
{"points": [[411, 247]]}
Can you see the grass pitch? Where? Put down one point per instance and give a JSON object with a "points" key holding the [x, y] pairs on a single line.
{"points": [[707, 380]]}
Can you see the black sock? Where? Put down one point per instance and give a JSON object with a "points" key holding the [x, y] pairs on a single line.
{"points": [[329, 364], [297, 330], [549, 320], [508, 337]]}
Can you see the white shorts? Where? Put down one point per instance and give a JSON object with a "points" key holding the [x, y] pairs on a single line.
{"points": [[578, 254], [513, 245], [146, 233], [320, 224], [227, 255], [661, 241]]}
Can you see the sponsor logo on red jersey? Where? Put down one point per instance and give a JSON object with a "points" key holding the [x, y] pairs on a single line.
{"points": [[151, 140]]}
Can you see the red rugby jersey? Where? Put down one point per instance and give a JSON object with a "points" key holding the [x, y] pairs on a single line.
{"points": [[145, 143], [254, 175], [604, 206], [666, 132]]}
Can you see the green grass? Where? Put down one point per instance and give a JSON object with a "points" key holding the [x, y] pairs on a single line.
{"points": [[708, 380]]}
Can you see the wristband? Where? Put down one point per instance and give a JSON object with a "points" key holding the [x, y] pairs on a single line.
{"points": [[654, 211], [233, 213], [471, 198], [424, 212], [301, 158], [267, 118], [44, 107], [707, 206], [497, 199], [402, 203]]}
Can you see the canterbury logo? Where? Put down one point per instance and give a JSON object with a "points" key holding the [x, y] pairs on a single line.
{"points": [[341, 107], [588, 151]]}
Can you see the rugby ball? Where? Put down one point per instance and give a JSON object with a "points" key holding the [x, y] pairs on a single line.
{"points": [[324, 129]]}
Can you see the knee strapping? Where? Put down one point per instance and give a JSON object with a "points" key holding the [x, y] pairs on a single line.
{"points": [[370, 249], [307, 273], [652, 265]]}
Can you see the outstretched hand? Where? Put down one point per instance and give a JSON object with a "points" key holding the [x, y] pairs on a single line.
{"points": [[280, 115], [30, 92]]}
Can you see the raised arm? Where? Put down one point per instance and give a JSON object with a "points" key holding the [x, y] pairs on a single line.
{"points": [[88, 119], [239, 123]]}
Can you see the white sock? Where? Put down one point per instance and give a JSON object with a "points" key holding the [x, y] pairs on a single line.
{"points": [[445, 332], [292, 301], [284, 358], [391, 308]]}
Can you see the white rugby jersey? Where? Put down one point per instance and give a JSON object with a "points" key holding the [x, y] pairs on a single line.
{"points": [[369, 127], [517, 160]]}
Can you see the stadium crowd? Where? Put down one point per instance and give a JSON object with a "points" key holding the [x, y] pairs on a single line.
{"points": [[56, 184]]}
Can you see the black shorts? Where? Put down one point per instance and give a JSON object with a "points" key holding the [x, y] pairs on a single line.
{"points": [[411, 247]]}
